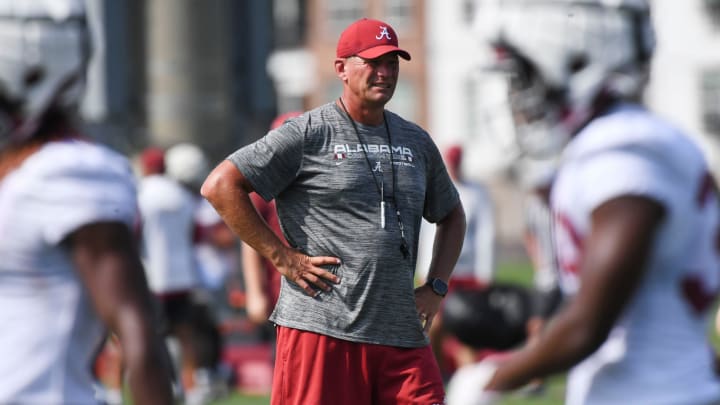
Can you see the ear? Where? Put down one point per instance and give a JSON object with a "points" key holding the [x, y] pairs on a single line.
{"points": [[340, 69]]}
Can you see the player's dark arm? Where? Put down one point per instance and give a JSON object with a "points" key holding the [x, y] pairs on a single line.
{"points": [[110, 269], [613, 265], [227, 189]]}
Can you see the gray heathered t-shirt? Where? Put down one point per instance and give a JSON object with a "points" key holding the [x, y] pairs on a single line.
{"points": [[329, 205]]}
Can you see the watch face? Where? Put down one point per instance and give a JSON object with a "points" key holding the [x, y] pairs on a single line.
{"points": [[439, 286]]}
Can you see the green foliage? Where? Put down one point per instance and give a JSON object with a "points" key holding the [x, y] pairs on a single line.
{"points": [[515, 272], [552, 393], [239, 399]]}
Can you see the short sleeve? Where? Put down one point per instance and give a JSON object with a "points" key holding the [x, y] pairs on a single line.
{"points": [[91, 191], [441, 196], [623, 172]]}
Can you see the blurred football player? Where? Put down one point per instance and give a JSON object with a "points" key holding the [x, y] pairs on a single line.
{"points": [[169, 203], [635, 212], [69, 268], [475, 267]]}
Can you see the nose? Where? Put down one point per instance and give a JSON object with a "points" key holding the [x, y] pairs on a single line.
{"points": [[386, 69]]}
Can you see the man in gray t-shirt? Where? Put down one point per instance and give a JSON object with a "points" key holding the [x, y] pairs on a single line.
{"points": [[352, 182]]}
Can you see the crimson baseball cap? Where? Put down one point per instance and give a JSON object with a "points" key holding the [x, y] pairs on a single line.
{"points": [[369, 39], [453, 156], [152, 161]]}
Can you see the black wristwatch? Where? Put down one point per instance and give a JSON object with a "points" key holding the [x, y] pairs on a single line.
{"points": [[438, 286]]}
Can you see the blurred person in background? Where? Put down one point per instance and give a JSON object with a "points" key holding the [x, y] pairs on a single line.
{"points": [[168, 203], [538, 242], [218, 255], [494, 320], [262, 280], [69, 266], [217, 252], [167, 211], [534, 176], [351, 182], [635, 213], [475, 267], [187, 164], [152, 161]]}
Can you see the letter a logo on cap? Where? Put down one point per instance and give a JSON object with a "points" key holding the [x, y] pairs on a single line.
{"points": [[369, 39], [383, 33]]}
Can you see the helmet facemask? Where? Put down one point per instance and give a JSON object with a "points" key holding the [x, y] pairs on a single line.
{"points": [[565, 62], [42, 66], [537, 110]]}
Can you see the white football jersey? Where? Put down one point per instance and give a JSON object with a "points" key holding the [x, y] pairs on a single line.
{"points": [[50, 332], [214, 263], [168, 223], [477, 257], [658, 352]]}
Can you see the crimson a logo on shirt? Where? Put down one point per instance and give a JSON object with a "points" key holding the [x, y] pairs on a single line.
{"points": [[401, 154]]}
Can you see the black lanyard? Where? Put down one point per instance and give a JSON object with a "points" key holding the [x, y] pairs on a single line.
{"points": [[381, 185]]}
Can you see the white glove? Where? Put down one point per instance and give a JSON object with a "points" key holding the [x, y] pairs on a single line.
{"points": [[467, 385]]}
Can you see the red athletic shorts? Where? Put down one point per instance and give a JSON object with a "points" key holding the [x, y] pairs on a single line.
{"points": [[314, 369]]}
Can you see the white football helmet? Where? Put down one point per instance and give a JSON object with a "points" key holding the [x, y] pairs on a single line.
{"points": [[186, 163], [43, 57], [565, 60]]}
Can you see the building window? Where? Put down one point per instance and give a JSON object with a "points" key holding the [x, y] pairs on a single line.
{"points": [[289, 23], [398, 13], [468, 11], [713, 12], [710, 93], [405, 100], [488, 120], [342, 13]]}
